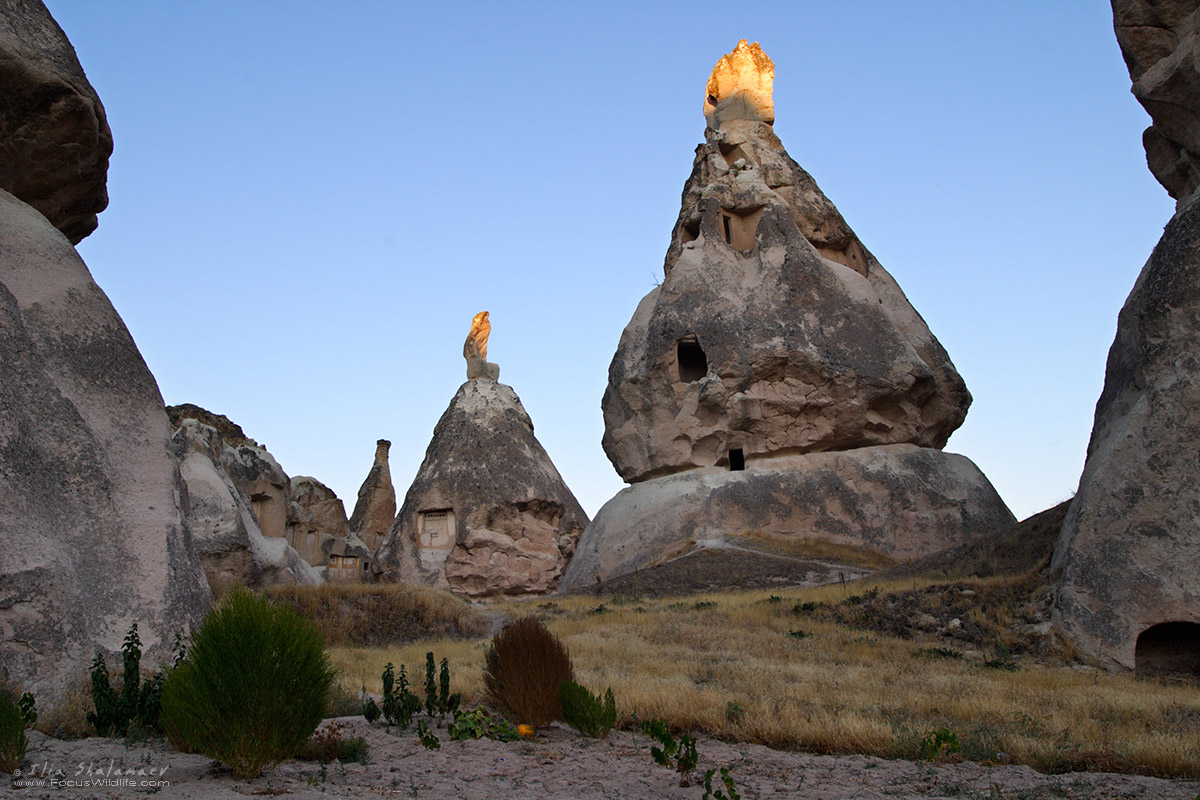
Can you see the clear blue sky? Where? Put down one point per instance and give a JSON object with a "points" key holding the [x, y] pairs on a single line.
{"points": [[309, 202]]}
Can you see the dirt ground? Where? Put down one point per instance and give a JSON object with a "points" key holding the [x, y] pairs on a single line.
{"points": [[558, 763]]}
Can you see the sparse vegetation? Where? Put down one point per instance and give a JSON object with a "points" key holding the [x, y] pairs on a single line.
{"points": [[524, 669], [375, 615], [590, 714], [679, 755], [136, 707], [331, 744], [811, 548], [12, 735], [478, 723], [253, 687]]}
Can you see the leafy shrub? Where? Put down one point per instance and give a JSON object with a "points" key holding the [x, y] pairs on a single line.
{"points": [[524, 668], [331, 744], [252, 689], [399, 704], [679, 755], [438, 699], [586, 712], [138, 704], [939, 745], [730, 793], [429, 739], [479, 723], [28, 710], [12, 735]]}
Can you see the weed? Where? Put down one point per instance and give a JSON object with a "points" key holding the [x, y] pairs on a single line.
{"points": [[371, 710], [941, 652], [1002, 661], [600, 609], [705, 604], [12, 735], [677, 755], [330, 744], [939, 745], [730, 793], [798, 633], [524, 669], [138, 703], [774, 599], [253, 687], [429, 739], [855, 599], [734, 713], [479, 724], [399, 704], [28, 711], [804, 608], [587, 713]]}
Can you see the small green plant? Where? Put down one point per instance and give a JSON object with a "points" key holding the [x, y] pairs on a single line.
{"points": [[730, 792], [253, 687], [331, 744], [28, 710], [371, 710], [431, 695], [855, 599], [479, 724], [1002, 661], [438, 699], [399, 704], [678, 755], [523, 671], [587, 713], [139, 703], [12, 735], [734, 713], [804, 608], [429, 739], [939, 745]]}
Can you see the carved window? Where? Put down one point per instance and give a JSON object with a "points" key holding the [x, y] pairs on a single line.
{"points": [[737, 460], [689, 355], [435, 529]]}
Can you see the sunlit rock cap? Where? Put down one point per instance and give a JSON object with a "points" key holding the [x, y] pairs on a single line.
{"points": [[741, 87]]}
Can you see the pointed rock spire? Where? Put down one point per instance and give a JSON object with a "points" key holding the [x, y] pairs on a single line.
{"points": [[375, 510]]}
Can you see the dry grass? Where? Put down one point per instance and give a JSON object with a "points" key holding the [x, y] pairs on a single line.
{"points": [[381, 614], [811, 548], [747, 666]]}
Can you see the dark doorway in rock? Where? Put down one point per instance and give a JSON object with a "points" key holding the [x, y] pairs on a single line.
{"points": [[1169, 649], [737, 460], [693, 364]]}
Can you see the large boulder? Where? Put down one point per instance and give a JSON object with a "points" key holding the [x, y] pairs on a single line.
{"points": [[375, 510], [899, 500], [774, 330], [1128, 556], [92, 534], [1160, 40], [487, 512], [54, 137], [224, 518]]}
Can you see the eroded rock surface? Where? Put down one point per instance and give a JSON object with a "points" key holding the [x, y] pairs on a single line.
{"points": [[488, 512], [375, 510], [316, 518], [899, 500], [54, 137]]}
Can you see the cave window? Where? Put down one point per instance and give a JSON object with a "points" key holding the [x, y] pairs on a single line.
{"points": [[737, 460], [1171, 648], [693, 364], [435, 528], [725, 224]]}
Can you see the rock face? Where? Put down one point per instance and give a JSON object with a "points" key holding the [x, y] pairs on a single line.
{"points": [[487, 512], [54, 137], [775, 333], [316, 517], [92, 534], [225, 518], [375, 510], [1160, 40], [1128, 557], [877, 498]]}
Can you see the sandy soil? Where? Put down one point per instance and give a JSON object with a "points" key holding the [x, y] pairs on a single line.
{"points": [[557, 764]]}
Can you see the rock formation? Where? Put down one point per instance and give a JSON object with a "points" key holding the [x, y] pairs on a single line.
{"points": [[1128, 557], [776, 333], [227, 522], [92, 534], [316, 518], [475, 350], [375, 510], [487, 512], [54, 137]]}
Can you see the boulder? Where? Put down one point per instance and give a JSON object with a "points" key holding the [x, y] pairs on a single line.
{"points": [[375, 510], [774, 331], [900, 500], [92, 532], [1160, 40], [224, 518], [487, 512], [54, 137], [316, 517], [1127, 560]]}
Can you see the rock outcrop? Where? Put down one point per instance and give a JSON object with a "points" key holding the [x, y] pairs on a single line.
{"points": [[1128, 557], [54, 137], [227, 521], [1160, 40], [775, 333], [316, 518], [375, 510], [92, 533], [487, 512]]}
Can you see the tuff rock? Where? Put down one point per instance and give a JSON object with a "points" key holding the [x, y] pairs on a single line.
{"points": [[54, 137], [488, 512], [375, 510], [316, 517]]}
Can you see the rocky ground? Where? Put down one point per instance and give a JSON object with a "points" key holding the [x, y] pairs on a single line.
{"points": [[556, 764]]}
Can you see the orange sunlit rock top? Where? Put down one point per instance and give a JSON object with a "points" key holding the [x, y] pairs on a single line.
{"points": [[741, 87]]}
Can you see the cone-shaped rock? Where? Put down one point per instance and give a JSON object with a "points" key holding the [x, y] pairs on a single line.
{"points": [[774, 331], [488, 512], [375, 510], [780, 369], [1129, 552]]}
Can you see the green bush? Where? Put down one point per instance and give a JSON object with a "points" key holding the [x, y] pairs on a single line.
{"points": [[136, 707], [12, 735], [525, 667], [587, 713], [253, 687]]}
